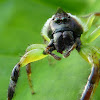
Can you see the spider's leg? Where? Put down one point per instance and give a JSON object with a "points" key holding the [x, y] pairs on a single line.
{"points": [[13, 81], [28, 66], [92, 55], [89, 21], [92, 83], [35, 46], [28, 70], [31, 55], [93, 35]]}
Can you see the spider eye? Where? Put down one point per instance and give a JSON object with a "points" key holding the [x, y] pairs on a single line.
{"points": [[65, 20], [57, 20]]}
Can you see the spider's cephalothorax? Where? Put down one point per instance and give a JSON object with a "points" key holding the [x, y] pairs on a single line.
{"points": [[63, 32]]}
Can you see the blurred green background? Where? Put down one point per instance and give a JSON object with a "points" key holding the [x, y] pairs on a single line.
{"points": [[20, 25]]}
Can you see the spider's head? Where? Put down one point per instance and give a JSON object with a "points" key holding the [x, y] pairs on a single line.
{"points": [[63, 28], [63, 21], [60, 21]]}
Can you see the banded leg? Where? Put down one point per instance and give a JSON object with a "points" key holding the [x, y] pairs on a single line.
{"points": [[92, 83], [13, 81], [34, 53], [28, 70]]}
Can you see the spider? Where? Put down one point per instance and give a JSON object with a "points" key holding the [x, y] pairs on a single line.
{"points": [[63, 32]]}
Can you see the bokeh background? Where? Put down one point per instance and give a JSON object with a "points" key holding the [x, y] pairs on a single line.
{"points": [[21, 22]]}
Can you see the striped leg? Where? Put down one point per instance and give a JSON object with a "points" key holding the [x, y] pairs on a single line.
{"points": [[28, 70], [13, 81], [34, 53], [92, 83]]}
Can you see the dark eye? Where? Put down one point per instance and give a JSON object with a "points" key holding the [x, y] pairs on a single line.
{"points": [[65, 20], [58, 21]]}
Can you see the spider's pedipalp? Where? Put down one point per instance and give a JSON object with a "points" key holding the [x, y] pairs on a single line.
{"points": [[67, 53]]}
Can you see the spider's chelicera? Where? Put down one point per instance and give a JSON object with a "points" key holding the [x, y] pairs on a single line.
{"points": [[63, 32]]}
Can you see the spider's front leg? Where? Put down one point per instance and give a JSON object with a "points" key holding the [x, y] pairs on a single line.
{"points": [[34, 52]]}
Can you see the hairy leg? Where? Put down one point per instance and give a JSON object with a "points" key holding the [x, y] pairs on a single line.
{"points": [[13, 81]]}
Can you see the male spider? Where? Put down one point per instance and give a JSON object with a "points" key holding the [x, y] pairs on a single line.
{"points": [[63, 32]]}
